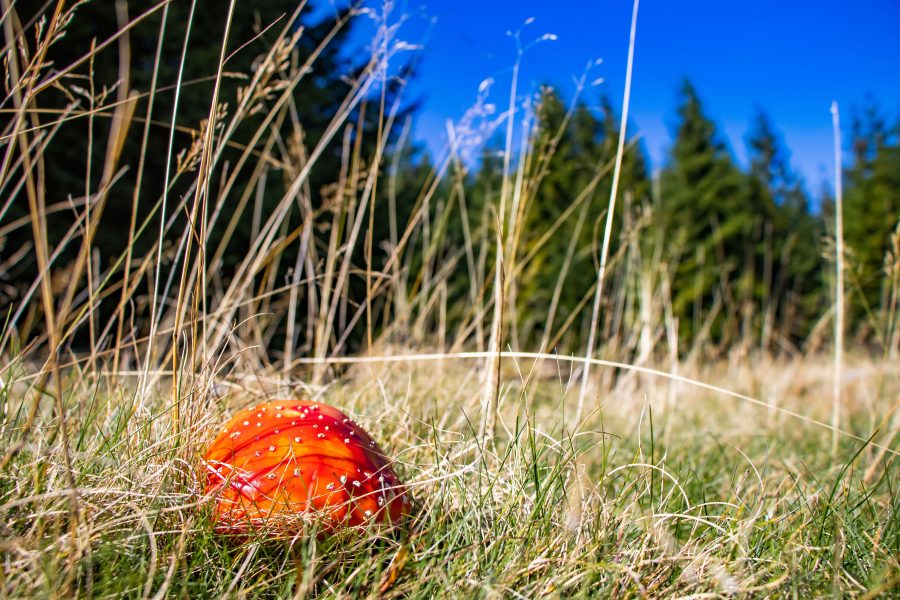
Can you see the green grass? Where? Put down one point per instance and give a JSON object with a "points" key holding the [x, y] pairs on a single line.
{"points": [[705, 497]]}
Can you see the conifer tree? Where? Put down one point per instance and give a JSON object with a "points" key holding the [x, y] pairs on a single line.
{"points": [[871, 214], [707, 219], [318, 95], [253, 32], [577, 151], [787, 257]]}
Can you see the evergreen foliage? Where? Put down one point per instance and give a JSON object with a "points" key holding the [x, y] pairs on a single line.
{"points": [[576, 150], [708, 219], [318, 97], [735, 256], [788, 287], [871, 217], [299, 126]]}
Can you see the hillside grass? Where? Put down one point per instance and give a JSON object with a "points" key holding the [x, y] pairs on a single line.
{"points": [[666, 490]]}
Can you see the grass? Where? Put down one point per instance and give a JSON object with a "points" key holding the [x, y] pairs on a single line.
{"points": [[684, 475], [632, 503]]}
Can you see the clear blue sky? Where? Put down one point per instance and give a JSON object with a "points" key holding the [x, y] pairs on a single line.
{"points": [[789, 58]]}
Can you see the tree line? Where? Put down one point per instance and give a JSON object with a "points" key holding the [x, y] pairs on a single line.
{"points": [[725, 257]]}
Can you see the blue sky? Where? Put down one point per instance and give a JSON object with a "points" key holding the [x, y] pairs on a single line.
{"points": [[789, 58]]}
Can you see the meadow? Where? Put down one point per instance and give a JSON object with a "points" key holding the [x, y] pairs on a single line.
{"points": [[555, 444]]}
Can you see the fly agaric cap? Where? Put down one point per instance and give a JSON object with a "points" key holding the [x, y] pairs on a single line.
{"points": [[281, 464]]}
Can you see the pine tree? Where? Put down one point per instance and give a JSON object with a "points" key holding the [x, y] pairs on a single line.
{"points": [[315, 101], [871, 214], [787, 257], [96, 21], [708, 220], [566, 151], [576, 157], [471, 237]]}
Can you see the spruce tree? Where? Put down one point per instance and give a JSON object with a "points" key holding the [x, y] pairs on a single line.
{"points": [[871, 215], [707, 219], [254, 30], [787, 256], [577, 157]]}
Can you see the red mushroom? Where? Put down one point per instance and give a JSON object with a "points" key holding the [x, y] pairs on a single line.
{"points": [[283, 463]]}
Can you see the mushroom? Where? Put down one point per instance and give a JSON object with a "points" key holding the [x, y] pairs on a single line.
{"points": [[281, 464]]}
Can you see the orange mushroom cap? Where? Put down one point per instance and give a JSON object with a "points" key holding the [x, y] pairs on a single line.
{"points": [[281, 464]]}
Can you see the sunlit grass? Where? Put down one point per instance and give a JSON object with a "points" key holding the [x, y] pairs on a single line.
{"points": [[700, 496]]}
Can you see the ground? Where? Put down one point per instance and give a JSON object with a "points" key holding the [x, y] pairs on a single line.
{"points": [[664, 489]]}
